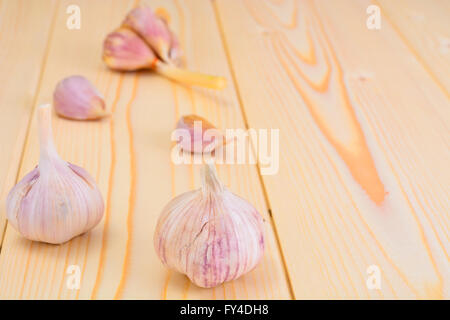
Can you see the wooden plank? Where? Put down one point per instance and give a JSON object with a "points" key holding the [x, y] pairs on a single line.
{"points": [[425, 28], [22, 54], [129, 155], [364, 142]]}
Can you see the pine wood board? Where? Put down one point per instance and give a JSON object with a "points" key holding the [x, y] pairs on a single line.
{"points": [[364, 142], [24, 50], [424, 28], [129, 156]]}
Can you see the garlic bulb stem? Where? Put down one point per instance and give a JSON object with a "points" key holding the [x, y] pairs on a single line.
{"points": [[188, 77], [46, 144], [211, 182]]}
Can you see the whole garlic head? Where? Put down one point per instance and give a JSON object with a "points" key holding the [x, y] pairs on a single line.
{"points": [[210, 234], [57, 200]]}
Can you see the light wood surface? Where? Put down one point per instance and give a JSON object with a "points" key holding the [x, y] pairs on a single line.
{"points": [[364, 145], [129, 155], [364, 140]]}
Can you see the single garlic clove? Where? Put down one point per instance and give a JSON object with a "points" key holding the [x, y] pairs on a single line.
{"points": [[210, 234], [125, 50], [56, 201], [198, 135], [152, 28], [176, 53], [76, 98]]}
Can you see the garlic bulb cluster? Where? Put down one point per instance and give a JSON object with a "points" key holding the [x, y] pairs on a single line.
{"points": [[210, 234], [144, 41], [76, 98], [56, 201]]}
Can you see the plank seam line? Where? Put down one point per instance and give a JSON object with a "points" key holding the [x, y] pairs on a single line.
{"points": [[411, 48], [241, 106], [30, 120]]}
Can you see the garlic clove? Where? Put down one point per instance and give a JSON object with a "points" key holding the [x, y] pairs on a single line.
{"points": [[210, 234], [56, 201], [76, 98], [125, 50], [175, 52], [201, 135], [152, 28]]}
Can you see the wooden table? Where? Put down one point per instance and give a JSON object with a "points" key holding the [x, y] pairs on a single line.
{"points": [[364, 119]]}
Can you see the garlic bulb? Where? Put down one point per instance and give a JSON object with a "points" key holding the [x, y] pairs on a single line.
{"points": [[202, 135], [210, 234], [57, 200], [76, 98]]}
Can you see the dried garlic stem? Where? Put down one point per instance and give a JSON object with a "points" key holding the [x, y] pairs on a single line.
{"points": [[189, 77], [47, 147], [211, 182]]}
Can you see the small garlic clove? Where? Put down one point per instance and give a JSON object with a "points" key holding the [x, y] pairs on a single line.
{"points": [[152, 29], [56, 201], [201, 136], [125, 50], [76, 98], [210, 234]]}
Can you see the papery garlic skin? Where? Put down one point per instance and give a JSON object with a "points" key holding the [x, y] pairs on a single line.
{"points": [[124, 50], [154, 30], [210, 234], [77, 98], [201, 136], [56, 201]]}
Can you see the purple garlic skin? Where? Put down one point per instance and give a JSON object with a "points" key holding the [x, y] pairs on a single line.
{"points": [[211, 235], [77, 98]]}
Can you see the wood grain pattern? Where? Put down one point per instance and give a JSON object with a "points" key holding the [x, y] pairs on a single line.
{"points": [[364, 143], [129, 155], [424, 28], [23, 55]]}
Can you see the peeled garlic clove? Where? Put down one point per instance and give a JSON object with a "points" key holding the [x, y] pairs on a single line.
{"points": [[76, 98], [152, 29], [57, 200], [125, 50], [201, 136], [210, 234]]}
